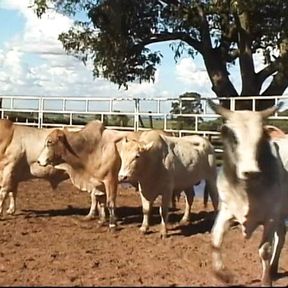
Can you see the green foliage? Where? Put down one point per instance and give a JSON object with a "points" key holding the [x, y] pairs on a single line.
{"points": [[116, 34], [213, 125]]}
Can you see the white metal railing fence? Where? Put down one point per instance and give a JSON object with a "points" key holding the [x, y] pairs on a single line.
{"points": [[129, 113], [138, 113]]}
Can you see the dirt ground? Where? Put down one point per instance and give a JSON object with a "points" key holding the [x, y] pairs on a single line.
{"points": [[47, 244]]}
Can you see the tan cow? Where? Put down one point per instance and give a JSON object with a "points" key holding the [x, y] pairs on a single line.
{"points": [[163, 164], [91, 159], [274, 132], [19, 150], [189, 193], [252, 185]]}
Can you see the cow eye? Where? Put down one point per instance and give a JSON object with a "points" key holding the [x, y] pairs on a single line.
{"points": [[49, 142], [229, 134], [137, 155]]}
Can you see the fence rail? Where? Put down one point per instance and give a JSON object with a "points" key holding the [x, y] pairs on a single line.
{"points": [[121, 113]]}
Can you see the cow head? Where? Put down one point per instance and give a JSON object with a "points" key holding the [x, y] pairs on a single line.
{"points": [[132, 153], [242, 135], [54, 148]]}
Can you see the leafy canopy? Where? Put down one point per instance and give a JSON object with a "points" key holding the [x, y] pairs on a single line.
{"points": [[116, 35]]}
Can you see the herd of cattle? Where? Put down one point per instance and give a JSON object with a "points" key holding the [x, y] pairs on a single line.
{"points": [[250, 188]]}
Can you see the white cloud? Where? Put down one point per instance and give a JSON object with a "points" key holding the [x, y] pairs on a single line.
{"points": [[40, 34], [14, 4], [194, 78], [36, 63]]}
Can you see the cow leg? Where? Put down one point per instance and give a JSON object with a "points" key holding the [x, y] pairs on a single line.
{"points": [[265, 252], [163, 210], [279, 240], [213, 192], [205, 195], [220, 227], [146, 209], [175, 196], [3, 194], [270, 259], [101, 205], [5, 187], [111, 192], [12, 203], [92, 212], [189, 197], [265, 255]]}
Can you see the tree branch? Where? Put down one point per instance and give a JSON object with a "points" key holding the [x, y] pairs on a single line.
{"points": [[204, 31], [161, 37], [278, 85], [268, 70], [245, 56]]}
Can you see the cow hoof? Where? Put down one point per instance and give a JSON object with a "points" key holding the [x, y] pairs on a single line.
{"points": [[101, 223], [10, 211], [184, 221], [274, 271], [163, 235], [112, 227], [88, 218], [224, 275], [143, 230]]}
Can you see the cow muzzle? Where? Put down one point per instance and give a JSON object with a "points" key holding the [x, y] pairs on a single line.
{"points": [[42, 160], [44, 164], [122, 178], [250, 172]]}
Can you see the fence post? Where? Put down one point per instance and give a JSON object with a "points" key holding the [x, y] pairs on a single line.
{"points": [[136, 114], [40, 112]]}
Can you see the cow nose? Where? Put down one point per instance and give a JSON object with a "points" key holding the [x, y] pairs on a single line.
{"points": [[41, 164], [122, 178], [250, 174]]}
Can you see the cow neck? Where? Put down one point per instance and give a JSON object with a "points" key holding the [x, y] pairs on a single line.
{"points": [[267, 161], [155, 161], [71, 153]]}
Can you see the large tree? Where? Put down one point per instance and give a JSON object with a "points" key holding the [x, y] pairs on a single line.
{"points": [[116, 35]]}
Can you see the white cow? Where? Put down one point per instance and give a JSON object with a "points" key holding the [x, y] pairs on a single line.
{"points": [[252, 188], [163, 164]]}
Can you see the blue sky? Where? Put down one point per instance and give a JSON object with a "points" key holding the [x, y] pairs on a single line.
{"points": [[33, 62]]}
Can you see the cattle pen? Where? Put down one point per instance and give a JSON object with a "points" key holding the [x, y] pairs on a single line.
{"points": [[48, 243], [131, 113]]}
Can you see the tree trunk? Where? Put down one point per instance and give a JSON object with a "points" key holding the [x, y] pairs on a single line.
{"points": [[218, 74]]}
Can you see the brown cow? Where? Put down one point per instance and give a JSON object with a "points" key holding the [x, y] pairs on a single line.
{"points": [[91, 159]]}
